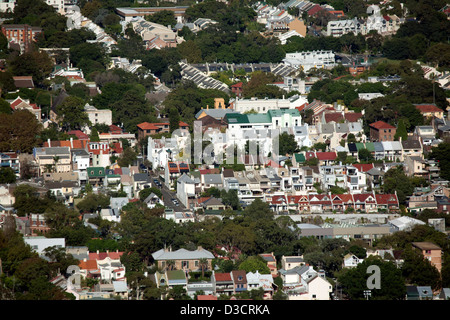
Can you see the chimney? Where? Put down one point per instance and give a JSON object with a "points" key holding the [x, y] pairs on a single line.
{"points": [[49, 142], [71, 142]]}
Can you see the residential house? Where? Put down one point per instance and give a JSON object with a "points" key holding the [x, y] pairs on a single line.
{"points": [[173, 171], [24, 104], [98, 116], [393, 150], [10, 160], [338, 28], [38, 244], [223, 283], [212, 204], [318, 289], [96, 175], [430, 111], [64, 191], [21, 34], [412, 147], [431, 252], [426, 135], [140, 181], [109, 265], [52, 159], [146, 129], [151, 32], [99, 153], [183, 259], [271, 261], [152, 200], [239, 278], [257, 280], [38, 224], [382, 131], [351, 261], [290, 262]]}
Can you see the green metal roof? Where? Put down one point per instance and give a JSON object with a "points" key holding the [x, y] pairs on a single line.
{"points": [[299, 157], [370, 146], [359, 145], [96, 172]]}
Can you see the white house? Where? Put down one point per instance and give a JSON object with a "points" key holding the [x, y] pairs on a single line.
{"points": [[257, 280], [351, 261], [320, 59], [318, 288], [185, 189], [39, 244]]}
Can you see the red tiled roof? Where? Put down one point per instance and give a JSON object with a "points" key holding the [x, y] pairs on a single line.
{"points": [[237, 85], [147, 126], [278, 199], [386, 198], [333, 116], [103, 255], [353, 116], [223, 277], [88, 264], [321, 199], [314, 10], [428, 108], [363, 167], [381, 125], [79, 134], [298, 199], [77, 144], [301, 107], [363, 197]]}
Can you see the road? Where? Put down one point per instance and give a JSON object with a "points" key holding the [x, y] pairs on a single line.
{"points": [[167, 195]]}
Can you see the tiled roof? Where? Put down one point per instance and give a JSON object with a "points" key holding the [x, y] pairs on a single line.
{"points": [[88, 264], [363, 167], [428, 108], [381, 125], [222, 277]]}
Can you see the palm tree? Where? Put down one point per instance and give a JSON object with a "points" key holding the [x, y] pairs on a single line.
{"points": [[203, 262]]}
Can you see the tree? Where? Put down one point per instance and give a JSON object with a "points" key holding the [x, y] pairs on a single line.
{"points": [[395, 180], [287, 144], [419, 270], [127, 157], [7, 175], [365, 155], [34, 63], [174, 119], [92, 202], [253, 264], [163, 17], [392, 286], [401, 131], [442, 155], [18, 131], [71, 114], [94, 137]]}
